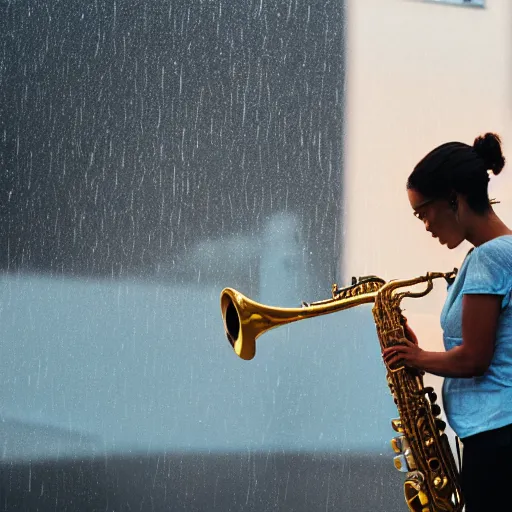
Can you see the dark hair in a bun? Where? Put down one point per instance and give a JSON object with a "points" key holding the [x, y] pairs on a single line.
{"points": [[460, 168], [488, 148]]}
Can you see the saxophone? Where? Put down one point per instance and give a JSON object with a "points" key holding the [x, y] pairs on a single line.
{"points": [[421, 447]]}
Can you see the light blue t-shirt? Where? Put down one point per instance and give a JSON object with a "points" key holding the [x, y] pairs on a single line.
{"points": [[477, 404]]}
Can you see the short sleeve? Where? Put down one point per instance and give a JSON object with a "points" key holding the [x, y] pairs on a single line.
{"points": [[490, 270]]}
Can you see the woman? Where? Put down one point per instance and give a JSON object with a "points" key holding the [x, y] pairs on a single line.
{"points": [[448, 193]]}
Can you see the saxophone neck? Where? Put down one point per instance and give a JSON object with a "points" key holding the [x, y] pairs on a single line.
{"points": [[428, 278]]}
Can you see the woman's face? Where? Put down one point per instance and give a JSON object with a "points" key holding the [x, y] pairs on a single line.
{"points": [[439, 217]]}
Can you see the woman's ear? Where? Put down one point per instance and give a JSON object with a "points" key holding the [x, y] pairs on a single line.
{"points": [[454, 201]]}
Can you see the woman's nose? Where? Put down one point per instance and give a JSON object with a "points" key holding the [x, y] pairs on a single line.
{"points": [[427, 225]]}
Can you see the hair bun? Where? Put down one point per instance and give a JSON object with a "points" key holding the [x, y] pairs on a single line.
{"points": [[488, 148]]}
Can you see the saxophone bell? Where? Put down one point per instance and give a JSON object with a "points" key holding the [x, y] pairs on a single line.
{"points": [[245, 319], [232, 323]]}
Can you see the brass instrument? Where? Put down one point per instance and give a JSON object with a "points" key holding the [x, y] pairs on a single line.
{"points": [[421, 446]]}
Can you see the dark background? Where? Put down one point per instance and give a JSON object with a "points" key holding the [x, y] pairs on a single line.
{"points": [[202, 482], [131, 130]]}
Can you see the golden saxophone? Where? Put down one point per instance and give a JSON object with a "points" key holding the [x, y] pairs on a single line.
{"points": [[421, 445]]}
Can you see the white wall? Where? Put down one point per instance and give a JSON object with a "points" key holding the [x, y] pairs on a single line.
{"points": [[418, 74]]}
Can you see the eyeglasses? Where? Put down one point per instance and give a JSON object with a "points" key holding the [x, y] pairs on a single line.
{"points": [[419, 215]]}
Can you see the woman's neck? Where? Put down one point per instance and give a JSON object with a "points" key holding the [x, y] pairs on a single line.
{"points": [[486, 227]]}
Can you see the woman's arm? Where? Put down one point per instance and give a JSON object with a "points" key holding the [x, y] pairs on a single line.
{"points": [[480, 314]]}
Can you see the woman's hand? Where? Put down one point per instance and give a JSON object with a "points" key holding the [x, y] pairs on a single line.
{"points": [[407, 353]]}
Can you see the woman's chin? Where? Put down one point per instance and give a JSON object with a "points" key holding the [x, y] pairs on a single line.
{"points": [[450, 244]]}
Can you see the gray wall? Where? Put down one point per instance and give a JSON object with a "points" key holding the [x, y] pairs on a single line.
{"points": [[131, 131]]}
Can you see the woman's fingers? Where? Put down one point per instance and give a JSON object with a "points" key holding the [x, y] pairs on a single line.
{"points": [[395, 353], [395, 358], [403, 346], [391, 353]]}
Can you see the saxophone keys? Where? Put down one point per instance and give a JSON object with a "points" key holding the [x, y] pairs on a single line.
{"points": [[405, 462], [436, 409], [399, 444], [440, 424], [411, 463], [396, 445], [439, 482], [400, 463], [397, 425]]}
